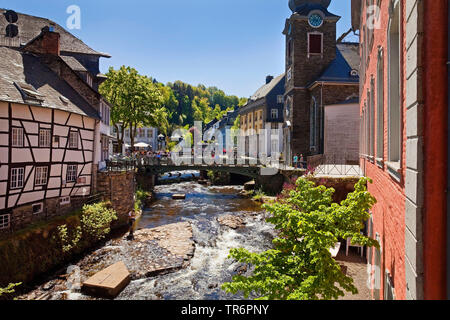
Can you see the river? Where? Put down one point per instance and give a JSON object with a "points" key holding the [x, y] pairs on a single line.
{"points": [[210, 267]]}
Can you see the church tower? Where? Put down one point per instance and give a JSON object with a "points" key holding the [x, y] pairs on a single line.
{"points": [[310, 48]]}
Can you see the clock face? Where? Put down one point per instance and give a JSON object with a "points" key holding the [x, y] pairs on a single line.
{"points": [[315, 20]]}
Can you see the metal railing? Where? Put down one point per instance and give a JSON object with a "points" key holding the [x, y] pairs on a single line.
{"points": [[335, 165]]}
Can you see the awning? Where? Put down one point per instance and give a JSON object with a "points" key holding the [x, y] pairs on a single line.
{"points": [[141, 145]]}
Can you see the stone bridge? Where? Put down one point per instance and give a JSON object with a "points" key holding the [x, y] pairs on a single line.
{"points": [[270, 179]]}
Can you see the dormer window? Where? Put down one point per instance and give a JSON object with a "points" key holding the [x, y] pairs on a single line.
{"points": [[29, 93]]}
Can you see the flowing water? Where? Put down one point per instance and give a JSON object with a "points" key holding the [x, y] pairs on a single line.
{"points": [[209, 267]]}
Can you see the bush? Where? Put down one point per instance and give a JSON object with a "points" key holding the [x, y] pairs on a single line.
{"points": [[9, 289], [94, 225], [96, 220], [300, 267], [141, 197]]}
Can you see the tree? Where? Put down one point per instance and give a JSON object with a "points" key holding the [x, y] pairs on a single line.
{"points": [[136, 102], [300, 267]]}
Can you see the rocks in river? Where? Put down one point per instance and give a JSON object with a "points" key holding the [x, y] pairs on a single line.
{"points": [[251, 185], [233, 222]]}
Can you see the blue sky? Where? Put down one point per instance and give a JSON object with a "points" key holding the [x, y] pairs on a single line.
{"points": [[231, 44]]}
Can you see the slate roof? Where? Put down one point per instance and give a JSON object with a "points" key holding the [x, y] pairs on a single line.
{"points": [[265, 89], [73, 63], [24, 68], [30, 27], [339, 70]]}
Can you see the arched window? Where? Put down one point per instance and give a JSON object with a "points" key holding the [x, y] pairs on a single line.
{"points": [[394, 114], [380, 105]]}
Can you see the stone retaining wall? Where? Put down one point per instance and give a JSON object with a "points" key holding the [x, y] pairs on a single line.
{"points": [[119, 188]]}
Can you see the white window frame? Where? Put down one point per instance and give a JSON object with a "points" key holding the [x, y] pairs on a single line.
{"points": [[274, 113], [16, 174], [5, 221], [45, 138], [380, 105], [280, 99], [72, 173], [41, 176], [64, 200], [73, 142], [17, 137], [41, 204], [394, 89]]}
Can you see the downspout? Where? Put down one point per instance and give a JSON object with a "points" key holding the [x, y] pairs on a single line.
{"points": [[94, 157], [448, 157]]}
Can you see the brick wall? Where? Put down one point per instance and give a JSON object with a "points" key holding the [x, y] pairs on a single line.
{"points": [[389, 212]]}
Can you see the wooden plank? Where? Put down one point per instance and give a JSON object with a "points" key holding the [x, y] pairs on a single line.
{"points": [[108, 282]]}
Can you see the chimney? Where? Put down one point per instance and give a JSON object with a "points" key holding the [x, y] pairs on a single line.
{"points": [[48, 42], [269, 79]]}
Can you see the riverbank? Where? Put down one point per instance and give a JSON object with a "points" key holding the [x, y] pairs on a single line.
{"points": [[152, 252]]}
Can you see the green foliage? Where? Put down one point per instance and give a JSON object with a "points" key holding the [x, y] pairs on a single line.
{"points": [[9, 289], [300, 267], [258, 195], [68, 240], [141, 197], [136, 101], [218, 178], [96, 220], [94, 225]]}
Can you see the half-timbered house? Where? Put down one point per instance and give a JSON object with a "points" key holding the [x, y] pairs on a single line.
{"points": [[52, 126]]}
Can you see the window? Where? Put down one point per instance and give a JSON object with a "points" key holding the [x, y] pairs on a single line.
{"points": [[371, 115], [38, 208], [41, 176], [64, 200], [313, 124], [73, 140], [380, 106], [280, 99], [72, 173], [17, 175], [44, 138], [5, 220], [315, 43], [394, 114], [105, 148], [274, 113], [89, 79], [289, 51], [17, 137]]}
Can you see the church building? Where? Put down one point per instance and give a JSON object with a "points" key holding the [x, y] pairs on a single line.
{"points": [[320, 71]]}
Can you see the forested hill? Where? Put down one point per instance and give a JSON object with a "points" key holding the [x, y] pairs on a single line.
{"points": [[186, 103]]}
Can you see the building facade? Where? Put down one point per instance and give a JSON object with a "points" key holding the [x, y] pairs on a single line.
{"points": [[76, 62], [404, 142], [264, 110], [53, 125], [319, 71]]}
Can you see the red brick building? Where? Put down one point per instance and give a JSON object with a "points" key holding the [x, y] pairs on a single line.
{"points": [[404, 142]]}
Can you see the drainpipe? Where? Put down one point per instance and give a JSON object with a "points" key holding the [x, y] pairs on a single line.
{"points": [[448, 157]]}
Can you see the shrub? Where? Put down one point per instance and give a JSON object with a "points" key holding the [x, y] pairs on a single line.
{"points": [[300, 267], [96, 220], [9, 289]]}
